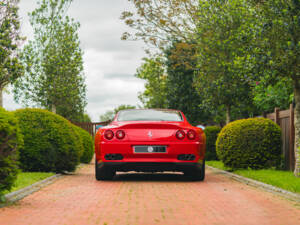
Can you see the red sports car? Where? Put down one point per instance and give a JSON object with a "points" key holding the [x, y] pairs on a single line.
{"points": [[150, 140]]}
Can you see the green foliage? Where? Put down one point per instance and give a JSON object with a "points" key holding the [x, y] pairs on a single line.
{"points": [[279, 41], [268, 96], [53, 61], [79, 143], [159, 22], [169, 81], [86, 118], [211, 133], [181, 94], [109, 115], [225, 31], [86, 144], [279, 48], [254, 143], [153, 72], [10, 142], [10, 68], [50, 144]]}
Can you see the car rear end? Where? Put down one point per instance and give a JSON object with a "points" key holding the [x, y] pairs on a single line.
{"points": [[150, 146]]}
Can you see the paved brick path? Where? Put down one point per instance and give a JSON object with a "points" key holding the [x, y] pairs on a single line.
{"points": [[135, 199]]}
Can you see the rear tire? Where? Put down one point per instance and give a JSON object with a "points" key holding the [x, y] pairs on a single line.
{"points": [[196, 174], [103, 173]]}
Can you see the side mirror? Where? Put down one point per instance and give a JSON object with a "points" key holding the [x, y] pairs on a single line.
{"points": [[201, 126]]}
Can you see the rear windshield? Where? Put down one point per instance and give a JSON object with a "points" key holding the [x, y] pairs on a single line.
{"points": [[149, 115]]}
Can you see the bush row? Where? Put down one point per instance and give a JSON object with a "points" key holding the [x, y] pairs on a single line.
{"points": [[87, 144], [51, 143], [211, 133], [10, 141], [46, 142]]}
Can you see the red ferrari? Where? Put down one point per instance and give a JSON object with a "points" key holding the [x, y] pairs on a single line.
{"points": [[150, 140]]}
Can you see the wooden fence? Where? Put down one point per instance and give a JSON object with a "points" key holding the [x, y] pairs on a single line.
{"points": [[90, 127], [285, 119]]}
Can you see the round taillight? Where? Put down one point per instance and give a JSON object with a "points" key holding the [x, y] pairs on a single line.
{"points": [[180, 134], [191, 134], [109, 134], [120, 134]]}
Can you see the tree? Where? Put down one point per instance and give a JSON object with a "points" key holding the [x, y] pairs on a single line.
{"points": [[10, 68], [53, 61], [110, 114], [158, 22], [225, 32], [181, 93], [153, 72], [280, 47]]}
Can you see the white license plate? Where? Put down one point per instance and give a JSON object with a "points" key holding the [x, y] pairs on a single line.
{"points": [[150, 149]]}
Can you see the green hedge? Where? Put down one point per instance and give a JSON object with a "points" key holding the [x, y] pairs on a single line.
{"points": [[250, 143], [10, 141], [50, 144], [87, 145], [78, 136], [89, 150], [211, 133]]}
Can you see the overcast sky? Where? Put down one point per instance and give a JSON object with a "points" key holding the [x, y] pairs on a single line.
{"points": [[109, 63]]}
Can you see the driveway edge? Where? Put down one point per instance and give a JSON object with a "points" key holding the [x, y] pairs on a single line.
{"points": [[267, 187], [22, 193]]}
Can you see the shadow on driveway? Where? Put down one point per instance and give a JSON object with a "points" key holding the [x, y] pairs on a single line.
{"points": [[167, 177]]}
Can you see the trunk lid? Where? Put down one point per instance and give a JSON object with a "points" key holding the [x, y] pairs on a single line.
{"points": [[150, 131]]}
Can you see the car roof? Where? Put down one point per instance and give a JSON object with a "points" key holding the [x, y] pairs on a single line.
{"points": [[158, 109]]}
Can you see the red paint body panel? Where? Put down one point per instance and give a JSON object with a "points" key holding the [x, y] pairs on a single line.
{"points": [[163, 133]]}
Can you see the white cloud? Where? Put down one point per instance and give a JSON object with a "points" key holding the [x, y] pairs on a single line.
{"points": [[107, 88], [110, 64]]}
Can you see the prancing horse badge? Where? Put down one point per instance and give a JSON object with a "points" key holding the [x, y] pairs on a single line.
{"points": [[150, 134]]}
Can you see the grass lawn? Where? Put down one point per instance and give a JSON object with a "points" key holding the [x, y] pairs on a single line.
{"points": [[282, 179], [25, 179]]}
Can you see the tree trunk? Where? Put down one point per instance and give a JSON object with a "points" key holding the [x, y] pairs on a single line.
{"points": [[53, 108], [227, 114], [1, 97], [297, 128]]}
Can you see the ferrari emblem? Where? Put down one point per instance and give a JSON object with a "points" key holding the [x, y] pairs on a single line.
{"points": [[150, 134]]}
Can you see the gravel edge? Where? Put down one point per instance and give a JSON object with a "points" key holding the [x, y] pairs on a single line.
{"points": [[267, 187], [22, 193]]}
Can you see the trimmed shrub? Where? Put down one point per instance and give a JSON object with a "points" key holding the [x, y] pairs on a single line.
{"points": [[250, 143], [50, 144], [87, 144], [79, 143], [10, 141], [211, 133]]}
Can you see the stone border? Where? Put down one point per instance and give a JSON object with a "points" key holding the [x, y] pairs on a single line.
{"points": [[22, 193], [267, 187]]}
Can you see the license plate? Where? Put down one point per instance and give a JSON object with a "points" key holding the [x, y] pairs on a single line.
{"points": [[150, 149]]}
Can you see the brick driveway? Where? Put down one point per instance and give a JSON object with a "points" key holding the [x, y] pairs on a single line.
{"points": [[149, 199]]}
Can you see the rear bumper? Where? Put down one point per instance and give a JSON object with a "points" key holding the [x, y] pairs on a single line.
{"points": [[174, 149], [150, 166]]}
